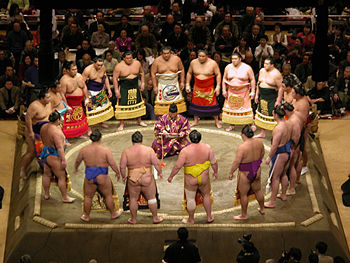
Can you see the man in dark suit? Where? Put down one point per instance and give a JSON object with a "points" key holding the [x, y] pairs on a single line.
{"points": [[99, 20], [58, 65], [177, 39]]}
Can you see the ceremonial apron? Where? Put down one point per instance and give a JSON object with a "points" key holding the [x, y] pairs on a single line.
{"points": [[237, 108], [204, 101], [130, 105], [75, 122], [264, 118], [100, 108], [168, 92]]}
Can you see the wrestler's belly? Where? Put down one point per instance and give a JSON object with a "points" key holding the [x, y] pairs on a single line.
{"points": [[76, 92], [265, 86], [237, 82], [131, 76], [202, 76]]}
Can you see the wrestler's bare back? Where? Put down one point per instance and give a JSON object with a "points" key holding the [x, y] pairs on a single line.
{"points": [[124, 70], [72, 86], [282, 133], [288, 97], [95, 155], [162, 66], [138, 156], [205, 70], [196, 153], [251, 150], [52, 135], [302, 106]]}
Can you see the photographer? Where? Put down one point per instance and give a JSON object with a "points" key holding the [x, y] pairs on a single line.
{"points": [[292, 256], [249, 253]]}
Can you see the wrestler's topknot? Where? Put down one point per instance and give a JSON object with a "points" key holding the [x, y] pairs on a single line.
{"points": [[247, 131], [96, 135], [195, 136]]}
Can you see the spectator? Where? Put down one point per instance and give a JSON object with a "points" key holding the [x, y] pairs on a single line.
{"points": [[124, 24], [109, 63], [292, 256], [73, 38], [177, 13], [217, 18], [263, 50], [147, 11], [249, 253], [149, 107], [4, 62], [344, 63], [295, 53], [23, 67], [85, 49], [147, 41], [141, 57], [191, 56], [225, 44], [336, 42], [66, 27], [84, 62], [115, 53], [320, 96], [242, 48], [218, 59], [152, 26], [167, 28], [190, 6], [289, 79], [29, 50], [279, 60], [228, 21], [308, 38], [253, 37], [24, 26], [341, 91], [99, 20], [185, 53], [257, 21], [251, 61], [9, 100], [23, 5], [31, 75], [58, 65], [200, 35], [332, 72], [99, 39], [336, 259], [182, 250], [321, 249], [177, 40], [278, 37], [247, 19], [9, 74], [78, 16], [123, 42], [304, 69], [16, 39]]}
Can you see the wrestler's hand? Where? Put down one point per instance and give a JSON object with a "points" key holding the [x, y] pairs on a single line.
{"points": [[256, 100], [155, 90], [170, 179], [215, 176], [230, 176], [217, 91], [110, 94], [124, 180], [142, 87], [117, 94], [182, 85], [188, 88], [86, 102], [64, 163], [69, 109], [224, 93], [268, 160], [160, 175], [31, 135], [118, 176], [252, 95], [277, 103]]}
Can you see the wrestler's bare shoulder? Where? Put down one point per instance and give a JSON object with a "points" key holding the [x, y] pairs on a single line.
{"points": [[275, 72]]}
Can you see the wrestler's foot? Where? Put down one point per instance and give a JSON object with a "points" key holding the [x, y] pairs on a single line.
{"points": [[89, 131], [269, 204], [261, 211], [218, 125], [260, 135], [142, 124], [132, 221], [67, 143], [230, 128], [68, 199], [187, 221], [298, 182], [290, 192], [283, 197], [157, 220], [82, 137], [47, 196], [195, 123], [210, 219], [253, 127], [116, 214], [104, 125], [240, 217], [85, 218], [120, 128]]}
